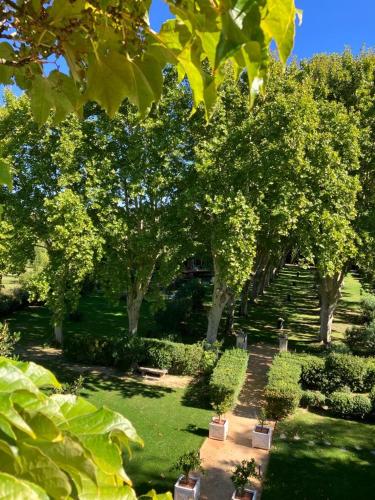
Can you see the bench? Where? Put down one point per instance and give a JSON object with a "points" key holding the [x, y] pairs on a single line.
{"points": [[152, 372]]}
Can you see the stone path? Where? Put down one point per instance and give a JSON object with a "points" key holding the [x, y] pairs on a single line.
{"points": [[219, 458]]}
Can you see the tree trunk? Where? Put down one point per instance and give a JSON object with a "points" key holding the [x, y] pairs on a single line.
{"points": [[220, 297], [330, 293], [230, 316], [58, 332], [133, 305], [244, 306], [260, 262]]}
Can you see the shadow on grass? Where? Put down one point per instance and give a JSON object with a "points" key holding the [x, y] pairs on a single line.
{"points": [[127, 388], [193, 429], [197, 393]]}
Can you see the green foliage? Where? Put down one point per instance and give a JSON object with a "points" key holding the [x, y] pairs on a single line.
{"points": [[112, 53], [8, 340], [243, 473], [313, 399], [127, 351], [58, 446], [283, 392], [188, 462], [361, 340], [313, 373], [345, 404], [368, 308], [177, 358], [227, 379], [372, 397], [346, 369]]}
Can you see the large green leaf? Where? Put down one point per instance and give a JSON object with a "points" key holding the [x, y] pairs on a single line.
{"points": [[72, 406], [16, 489], [105, 454], [42, 99], [37, 374], [40, 469], [68, 453], [103, 421], [12, 416]]}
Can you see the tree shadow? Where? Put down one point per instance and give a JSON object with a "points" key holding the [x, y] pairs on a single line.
{"points": [[196, 394]]}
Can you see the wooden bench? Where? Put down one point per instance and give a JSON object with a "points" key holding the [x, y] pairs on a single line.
{"points": [[152, 372]]}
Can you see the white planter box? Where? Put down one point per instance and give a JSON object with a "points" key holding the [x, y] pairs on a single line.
{"points": [[241, 341], [248, 491], [181, 492], [218, 431], [261, 439]]}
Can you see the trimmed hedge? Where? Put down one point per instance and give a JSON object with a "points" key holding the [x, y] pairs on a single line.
{"points": [[372, 397], [313, 375], [345, 404], [124, 352], [346, 369], [313, 399], [228, 378], [283, 392]]}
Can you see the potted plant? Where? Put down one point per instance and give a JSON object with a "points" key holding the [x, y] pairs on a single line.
{"points": [[219, 426], [262, 434], [188, 485], [241, 476]]}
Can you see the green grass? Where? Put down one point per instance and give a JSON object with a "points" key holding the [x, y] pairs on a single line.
{"points": [[165, 418], [309, 468], [301, 314]]}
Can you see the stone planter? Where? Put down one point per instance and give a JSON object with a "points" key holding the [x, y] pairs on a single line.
{"points": [[241, 341], [262, 438], [248, 495], [185, 492], [218, 430]]}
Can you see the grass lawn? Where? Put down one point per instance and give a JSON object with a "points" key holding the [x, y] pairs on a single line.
{"points": [[301, 314], [168, 422], [333, 459]]}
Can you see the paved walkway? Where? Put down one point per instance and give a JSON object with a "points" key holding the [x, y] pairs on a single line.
{"points": [[219, 458]]}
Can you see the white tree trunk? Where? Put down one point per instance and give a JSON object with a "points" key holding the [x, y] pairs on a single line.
{"points": [[58, 332], [220, 297], [330, 293], [134, 302]]}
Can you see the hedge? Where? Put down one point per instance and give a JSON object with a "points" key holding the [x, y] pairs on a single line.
{"points": [[283, 392], [346, 404], [313, 399], [124, 352], [228, 378]]}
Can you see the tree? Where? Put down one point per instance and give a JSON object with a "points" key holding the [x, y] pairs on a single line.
{"points": [[46, 206], [332, 187], [137, 175]]}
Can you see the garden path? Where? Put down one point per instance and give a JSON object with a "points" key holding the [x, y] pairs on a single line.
{"points": [[219, 458]]}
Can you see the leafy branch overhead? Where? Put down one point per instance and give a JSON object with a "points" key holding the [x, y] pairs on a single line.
{"points": [[112, 53]]}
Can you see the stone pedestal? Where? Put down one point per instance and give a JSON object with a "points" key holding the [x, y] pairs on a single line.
{"points": [[241, 341], [283, 343]]}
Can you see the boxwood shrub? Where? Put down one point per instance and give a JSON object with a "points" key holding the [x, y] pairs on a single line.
{"points": [[372, 398], [283, 392], [228, 378], [313, 375], [124, 352], [313, 399], [346, 369], [346, 404]]}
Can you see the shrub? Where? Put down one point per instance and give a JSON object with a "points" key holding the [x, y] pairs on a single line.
{"points": [[242, 475], [313, 375], [368, 308], [313, 399], [361, 340], [345, 369], [283, 392], [345, 404], [126, 351], [228, 378], [372, 397], [8, 340], [177, 358]]}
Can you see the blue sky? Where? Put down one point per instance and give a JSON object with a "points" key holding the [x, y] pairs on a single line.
{"points": [[328, 25]]}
